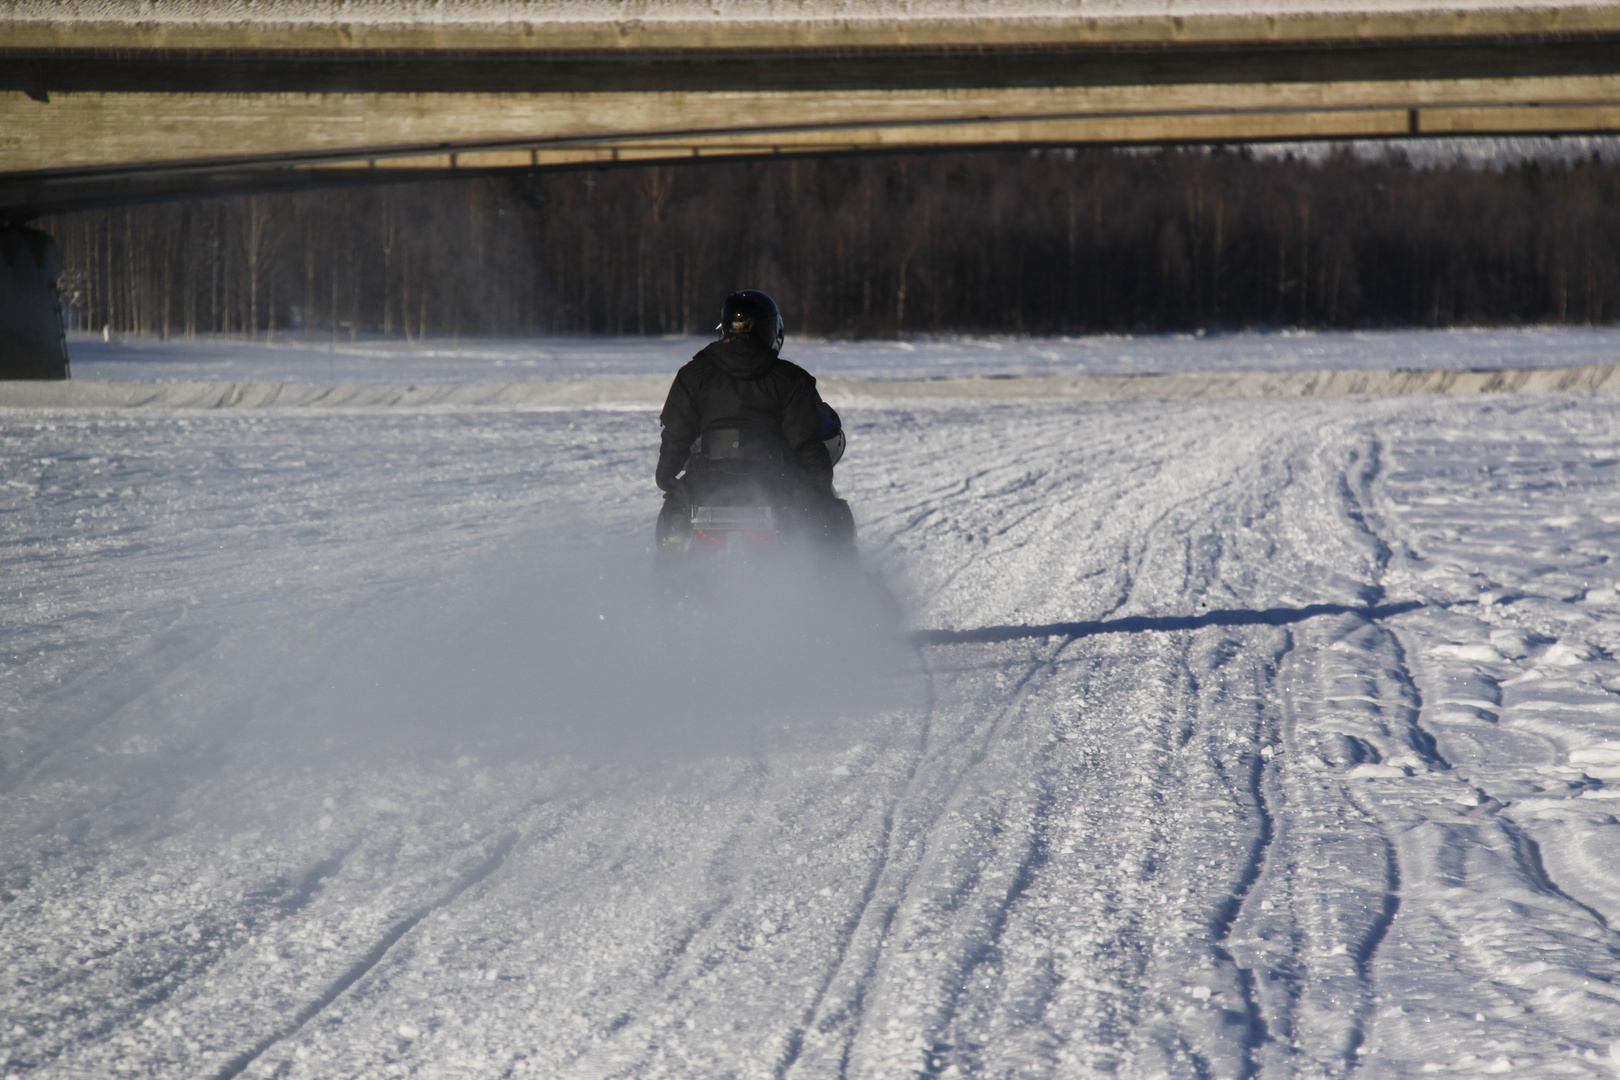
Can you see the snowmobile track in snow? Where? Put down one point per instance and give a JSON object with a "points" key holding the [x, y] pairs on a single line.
{"points": [[371, 959], [850, 1011], [1261, 738]]}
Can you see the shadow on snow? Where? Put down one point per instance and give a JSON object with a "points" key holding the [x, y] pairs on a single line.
{"points": [[1135, 624]]}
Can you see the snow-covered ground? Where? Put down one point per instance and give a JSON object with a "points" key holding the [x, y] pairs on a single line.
{"points": [[294, 359], [1241, 737]]}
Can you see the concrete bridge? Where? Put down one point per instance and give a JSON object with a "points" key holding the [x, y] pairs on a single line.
{"points": [[109, 101]]}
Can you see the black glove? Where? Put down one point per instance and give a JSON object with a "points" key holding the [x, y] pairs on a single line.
{"points": [[666, 476]]}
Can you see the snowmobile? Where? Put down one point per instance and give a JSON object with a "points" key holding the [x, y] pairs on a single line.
{"points": [[751, 539], [741, 513]]}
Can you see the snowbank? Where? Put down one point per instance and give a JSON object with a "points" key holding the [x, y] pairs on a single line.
{"points": [[649, 392]]}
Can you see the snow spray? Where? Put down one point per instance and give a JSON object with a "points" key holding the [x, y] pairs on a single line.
{"points": [[587, 655]]}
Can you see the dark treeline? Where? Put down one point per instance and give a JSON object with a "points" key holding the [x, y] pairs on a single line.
{"points": [[1054, 241], [405, 260]]}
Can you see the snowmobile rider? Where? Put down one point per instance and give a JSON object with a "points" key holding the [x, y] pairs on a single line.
{"points": [[761, 409]]}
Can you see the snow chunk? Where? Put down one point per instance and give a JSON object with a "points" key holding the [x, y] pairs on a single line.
{"points": [[1607, 753], [1567, 654], [1510, 643], [1480, 653], [1370, 771]]}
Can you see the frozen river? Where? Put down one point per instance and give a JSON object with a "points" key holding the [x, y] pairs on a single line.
{"points": [[1239, 738]]}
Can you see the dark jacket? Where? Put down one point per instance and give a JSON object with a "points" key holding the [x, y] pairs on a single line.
{"points": [[739, 384]]}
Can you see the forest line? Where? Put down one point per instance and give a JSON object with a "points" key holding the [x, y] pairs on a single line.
{"points": [[1058, 241]]}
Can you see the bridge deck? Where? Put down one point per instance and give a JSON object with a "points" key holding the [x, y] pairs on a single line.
{"points": [[100, 111]]}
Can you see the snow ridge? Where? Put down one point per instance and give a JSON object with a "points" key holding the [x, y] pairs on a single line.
{"points": [[649, 392]]}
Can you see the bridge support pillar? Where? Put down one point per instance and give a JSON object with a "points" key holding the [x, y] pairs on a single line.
{"points": [[32, 345]]}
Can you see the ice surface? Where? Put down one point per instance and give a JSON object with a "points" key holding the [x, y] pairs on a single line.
{"points": [[578, 358], [1250, 738]]}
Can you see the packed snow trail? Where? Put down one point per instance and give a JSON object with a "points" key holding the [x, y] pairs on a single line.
{"points": [[1240, 738]]}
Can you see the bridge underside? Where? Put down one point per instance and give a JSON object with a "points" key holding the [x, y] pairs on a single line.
{"points": [[103, 114]]}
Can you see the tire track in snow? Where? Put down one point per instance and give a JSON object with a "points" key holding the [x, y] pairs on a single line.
{"points": [[1535, 868], [1062, 981], [1377, 934], [1257, 1030], [1475, 704], [1335, 872], [1218, 1032], [586, 1058], [1360, 507], [173, 970], [1289, 490], [1348, 701], [850, 1012], [1137, 527], [1263, 938], [372, 958], [824, 1042], [1033, 854], [950, 922], [1365, 951]]}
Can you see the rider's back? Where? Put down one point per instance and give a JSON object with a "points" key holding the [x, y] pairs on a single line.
{"points": [[740, 384]]}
